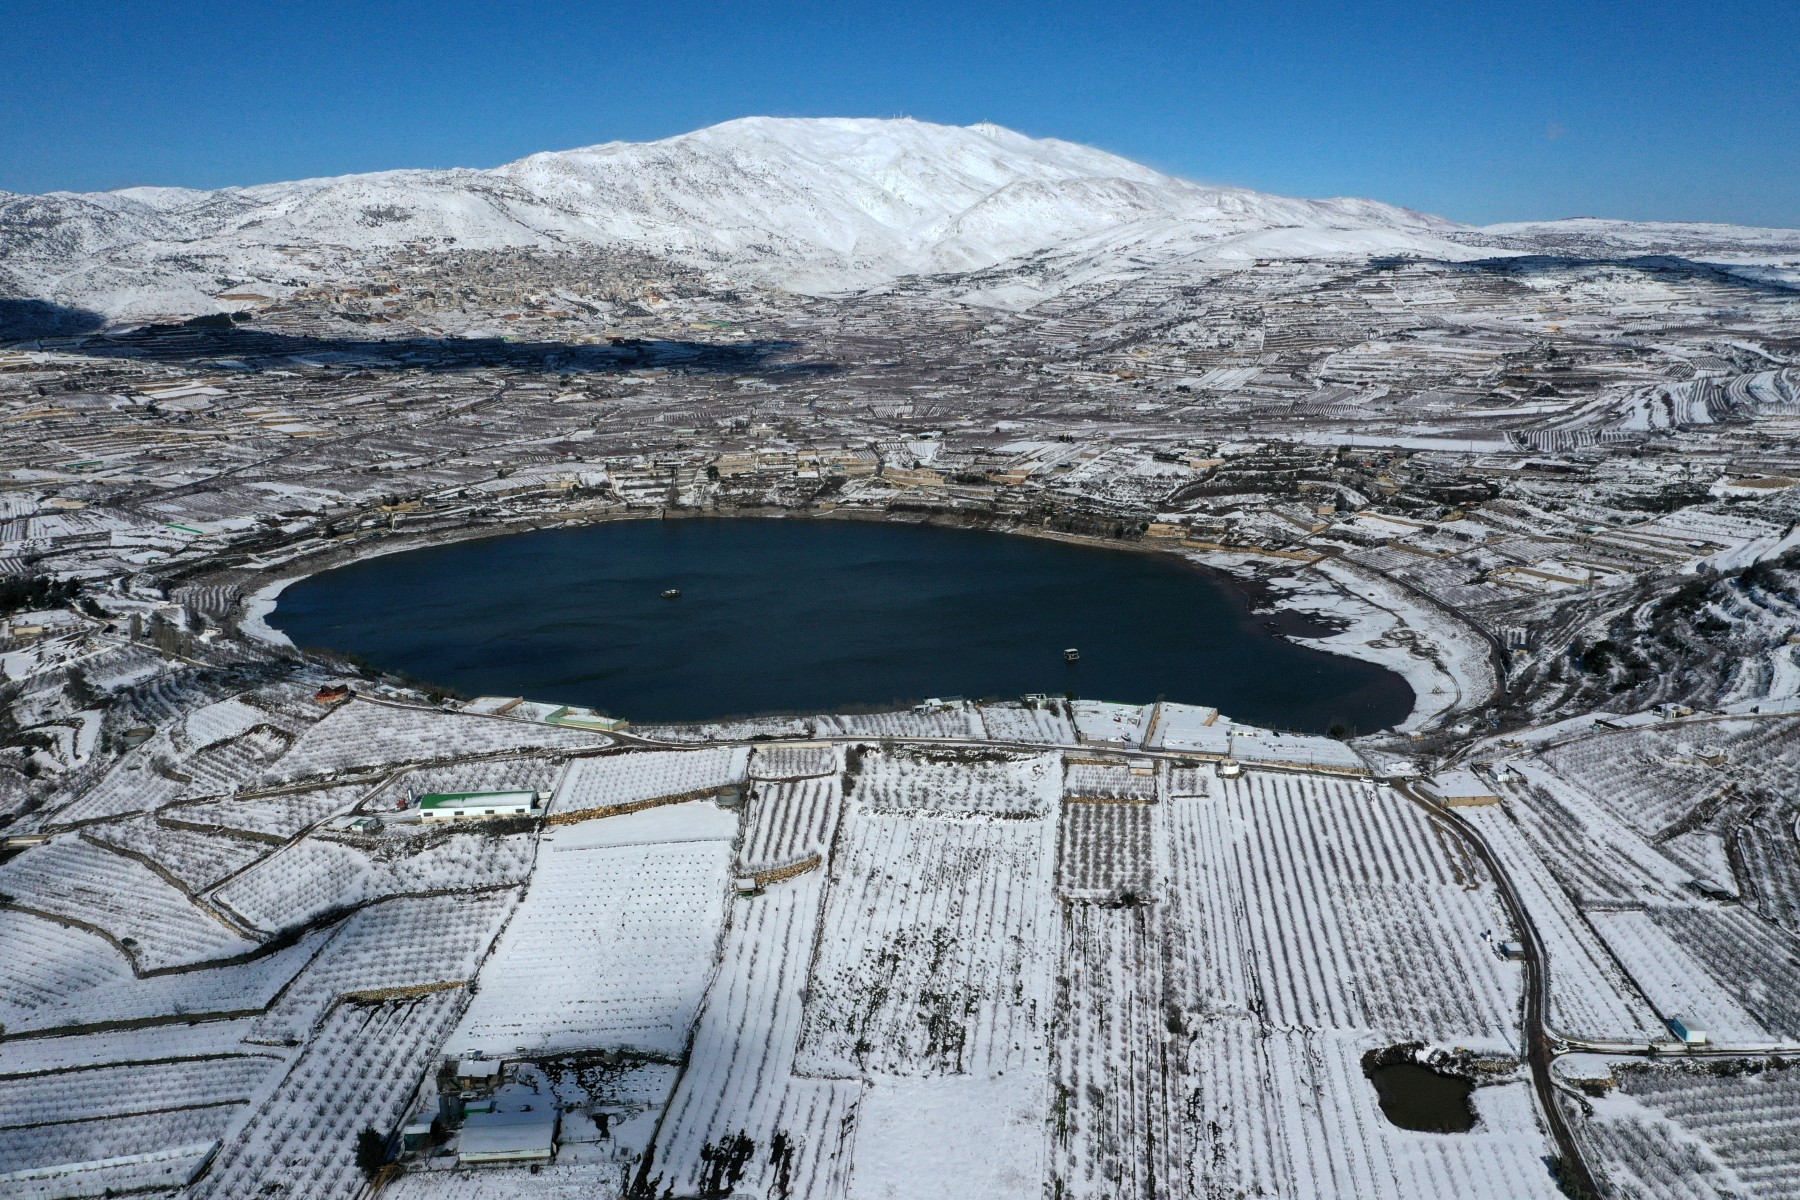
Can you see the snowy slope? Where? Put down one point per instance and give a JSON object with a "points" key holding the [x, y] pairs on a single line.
{"points": [[812, 205], [1649, 237]]}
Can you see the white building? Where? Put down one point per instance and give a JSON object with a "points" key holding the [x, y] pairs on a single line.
{"points": [[477, 806], [493, 1137]]}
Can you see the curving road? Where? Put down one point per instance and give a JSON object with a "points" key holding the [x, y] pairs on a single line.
{"points": [[1541, 1047]]}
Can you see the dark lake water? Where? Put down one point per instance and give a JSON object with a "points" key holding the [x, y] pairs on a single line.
{"points": [[817, 616], [1416, 1097]]}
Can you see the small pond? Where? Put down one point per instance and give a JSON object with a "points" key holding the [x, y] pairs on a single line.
{"points": [[1419, 1098]]}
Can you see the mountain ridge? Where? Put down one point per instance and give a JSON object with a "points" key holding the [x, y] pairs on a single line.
{"points": [[817, 205]]}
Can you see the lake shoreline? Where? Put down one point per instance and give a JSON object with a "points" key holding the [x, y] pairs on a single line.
{"points": [[1356, 618]]}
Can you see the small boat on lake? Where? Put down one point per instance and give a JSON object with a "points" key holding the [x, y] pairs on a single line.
{"points": [[1072, 655], [671, 594]]}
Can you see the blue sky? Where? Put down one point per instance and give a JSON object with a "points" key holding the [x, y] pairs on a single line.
{"points": [[1646, 110]]}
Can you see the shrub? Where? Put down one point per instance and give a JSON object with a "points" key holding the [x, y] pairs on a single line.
{"points": [[371, 1150]]}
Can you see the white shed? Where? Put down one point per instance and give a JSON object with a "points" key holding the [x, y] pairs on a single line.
{"points": [[508, 1137], [1462, 787]]}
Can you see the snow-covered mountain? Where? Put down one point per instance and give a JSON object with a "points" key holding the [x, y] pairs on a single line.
{"points": [[814, 205], [810, 205]]}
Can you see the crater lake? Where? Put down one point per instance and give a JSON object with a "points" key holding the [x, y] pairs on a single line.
{"points": [[799, 615]]}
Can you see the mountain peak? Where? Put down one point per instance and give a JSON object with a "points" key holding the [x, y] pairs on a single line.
{"points": [[819, 204]]}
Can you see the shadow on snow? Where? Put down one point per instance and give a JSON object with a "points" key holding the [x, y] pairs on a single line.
{"points": [[24, 320], [220, 339]]}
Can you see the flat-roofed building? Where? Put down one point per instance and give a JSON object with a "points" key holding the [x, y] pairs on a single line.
{"points": [[1462, 788], [477, 1074], [496, 1137], [476, 806]]}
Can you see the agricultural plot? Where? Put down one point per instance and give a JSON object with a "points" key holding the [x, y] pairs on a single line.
{"points": [[223, 765], [562, 1180], [619, 781], [1294, 750], [1181, 780], [1597, 859], [1189, 727], [165, 1043], [140, 781], [360, 1069], [954, 721], [1118, 1071], [1767, 848], [320, 874], [1046, 724], [1238, 1145], [1321, 904], [196, 860], [1723, 1128], [47, 964], [1765, 753], [1672, 979], [793, 762], [1647, 779], [1106, 851], [1290, 1113], [1590, 996], [740, 1088], [954, 781], [731, 731], [360, 734], [1110, 724], [147, 916], [124, 1154], [789, 823], [952, 1137], [934, 956], [1103, 781], [401, 944], [1757, 964], [275, 818], [615, 944], [220, 722], [1641, 1154], [42, 1101], [59, 977], [490, 775], [121, 667]]}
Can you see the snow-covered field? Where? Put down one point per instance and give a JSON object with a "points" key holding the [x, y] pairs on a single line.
{"points": [[888, 968], [620, 781], [1709, 1130], [359, 1070], [970, 944], [360, 735], [742, 1076], [940, 968], [142, 913], [320, 875], [616, 942], [956, 782]]}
